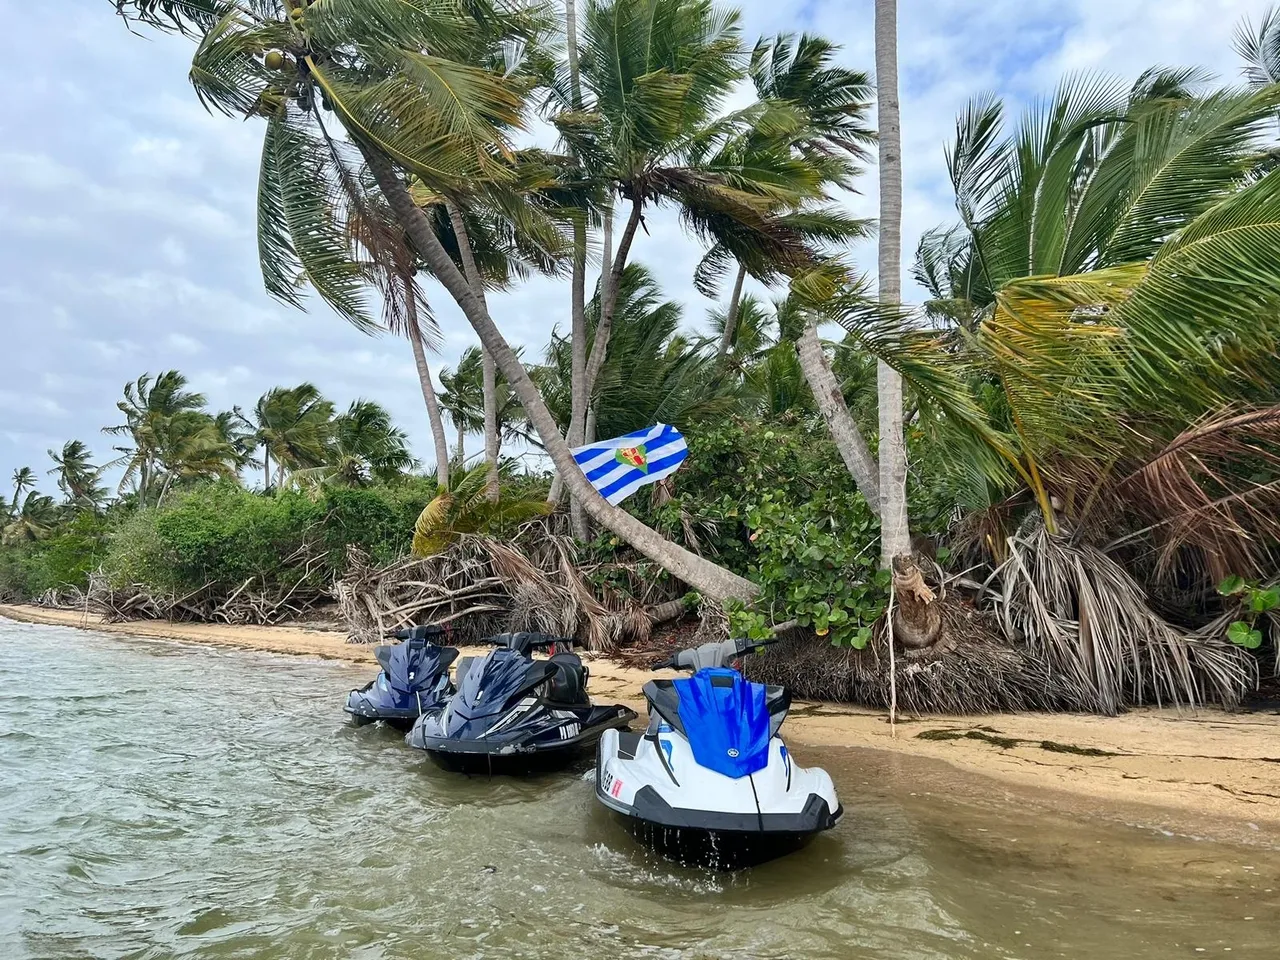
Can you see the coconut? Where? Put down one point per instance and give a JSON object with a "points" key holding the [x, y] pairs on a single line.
{"points": [[275, 60]]}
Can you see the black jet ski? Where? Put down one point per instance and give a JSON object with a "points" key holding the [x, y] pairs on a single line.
{"points": [[710, 782], [414, 679], [515, 714]]}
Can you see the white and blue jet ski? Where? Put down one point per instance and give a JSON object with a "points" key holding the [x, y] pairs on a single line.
{"points": [[414, 679], [709, 782], [515, 714]]}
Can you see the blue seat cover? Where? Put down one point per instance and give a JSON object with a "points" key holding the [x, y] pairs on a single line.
{"points": [[726, 721]]}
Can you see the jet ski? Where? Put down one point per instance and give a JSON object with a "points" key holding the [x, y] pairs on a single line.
{"points": [[414, 679], [709, 782], [515, 714]]}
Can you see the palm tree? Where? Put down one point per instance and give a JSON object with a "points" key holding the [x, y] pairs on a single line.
{"points": [[652, 374], [1260, 48], [444, 121], [77, 476], [292, 426], [24, 478], [809, 110], [239, 438], [34, 521], [466, 508], [463, 398], [172, 436], [636, 56], [367, 445], [895, 533]]}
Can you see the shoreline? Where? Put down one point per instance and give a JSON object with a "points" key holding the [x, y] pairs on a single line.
{"points": [[1204, 773]]}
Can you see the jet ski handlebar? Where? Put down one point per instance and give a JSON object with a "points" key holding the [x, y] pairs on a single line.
{"points": [[710, 655], [524, 641], [427, 632]]}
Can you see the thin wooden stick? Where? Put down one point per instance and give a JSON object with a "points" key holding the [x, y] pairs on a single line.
{"points": [[893, 671]]}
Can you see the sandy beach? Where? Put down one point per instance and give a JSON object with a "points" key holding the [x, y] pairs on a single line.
{"points": [[1201, 773]]}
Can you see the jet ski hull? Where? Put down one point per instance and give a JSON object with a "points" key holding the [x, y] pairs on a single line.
{"points": [[396, 719], [716, 840], [488, 757]]}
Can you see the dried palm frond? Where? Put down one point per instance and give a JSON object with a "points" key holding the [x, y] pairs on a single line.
{"points": [[1082, 614], [1214, 488]]}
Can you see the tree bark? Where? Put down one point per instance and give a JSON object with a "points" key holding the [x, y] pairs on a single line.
{"points": [[490, 368], [428, 389], [609, 296], [895, 536], [578, 348], [731, 319], [266, 469], [704, 576], [491, 487], [848, 438], [462, 446]]}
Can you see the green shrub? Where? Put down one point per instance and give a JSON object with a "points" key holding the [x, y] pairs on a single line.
{"points": [[222, 535], [63, 560]]}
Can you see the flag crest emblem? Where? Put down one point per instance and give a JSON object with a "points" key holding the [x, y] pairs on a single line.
{"points": [[633, 457]]}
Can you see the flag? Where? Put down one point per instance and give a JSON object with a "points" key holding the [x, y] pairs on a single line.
{"points": [[621, 466]]}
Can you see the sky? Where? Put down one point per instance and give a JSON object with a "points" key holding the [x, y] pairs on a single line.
{"points": [[127, 233]]}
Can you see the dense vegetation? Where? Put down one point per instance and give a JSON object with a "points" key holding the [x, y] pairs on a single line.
{"points": [[1089, 396]]}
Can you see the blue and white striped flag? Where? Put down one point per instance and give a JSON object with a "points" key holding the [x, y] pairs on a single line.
{"points": [[621, 466]]}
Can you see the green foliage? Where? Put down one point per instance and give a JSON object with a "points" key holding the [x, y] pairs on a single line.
{"points": [[1254, 601], [62, 560], [466, 508], [224, 535], [774, 503]]}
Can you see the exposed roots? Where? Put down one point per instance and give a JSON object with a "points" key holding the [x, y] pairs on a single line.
{"points": [[251, 603], [977, 672], [480, 586]]}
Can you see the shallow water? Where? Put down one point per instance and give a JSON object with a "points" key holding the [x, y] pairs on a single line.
{"points": [[163, 800]]}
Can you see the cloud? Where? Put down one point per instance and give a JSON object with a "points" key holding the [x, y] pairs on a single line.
{"points": [[129, 210]]}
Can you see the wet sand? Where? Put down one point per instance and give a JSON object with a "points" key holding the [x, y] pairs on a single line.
{"points": [[1199, 773]]}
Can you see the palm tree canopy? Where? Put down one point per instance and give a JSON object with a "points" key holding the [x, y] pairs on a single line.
{"points": [[171, 434], [34, 521], [77, 475], [292, 426], [1096, 176]]}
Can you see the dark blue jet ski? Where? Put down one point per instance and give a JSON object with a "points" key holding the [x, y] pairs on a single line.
{"points": [[414, 679], [514, 714]]}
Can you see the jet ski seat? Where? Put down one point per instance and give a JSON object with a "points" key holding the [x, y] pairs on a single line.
{"points": [[568, 684]]}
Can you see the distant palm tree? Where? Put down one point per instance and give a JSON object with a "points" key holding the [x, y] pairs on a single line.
{"points": [[365, 446], [810, 113], [652, 373], [1260, 48], [173, 438], [236, 434], [24, 478], [291, 425], [463, 400], [35, 521], [77, 475]]}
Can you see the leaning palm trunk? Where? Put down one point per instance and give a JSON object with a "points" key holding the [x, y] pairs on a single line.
{"points": [[610, 280], [708, 578], [476, 282], [848, 438], [895, 536], [731, 318], [491, 446], [428, 390]]}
